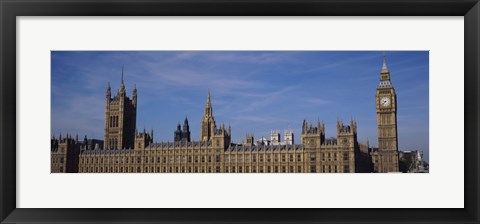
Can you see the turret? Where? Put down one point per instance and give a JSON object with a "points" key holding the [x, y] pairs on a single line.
{"points": [[186, 128], [353, 125], [249, 139], [134, 95], [85, 142], [229, 130], [109, 92]]}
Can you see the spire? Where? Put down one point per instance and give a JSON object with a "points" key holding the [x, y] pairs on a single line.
{"points": [[122, 86], [122, 73], [384, 66], [208, 106]]}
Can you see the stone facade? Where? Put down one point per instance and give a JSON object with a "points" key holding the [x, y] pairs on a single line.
{"points": [[216, 154]]}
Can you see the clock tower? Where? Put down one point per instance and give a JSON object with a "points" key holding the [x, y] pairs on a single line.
{"points": [[386, 158]]}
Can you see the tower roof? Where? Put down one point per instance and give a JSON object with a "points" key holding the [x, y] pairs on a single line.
{"points": [[384, 66]]}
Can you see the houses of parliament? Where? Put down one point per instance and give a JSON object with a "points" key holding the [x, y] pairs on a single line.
{"points": [[125, 149]]}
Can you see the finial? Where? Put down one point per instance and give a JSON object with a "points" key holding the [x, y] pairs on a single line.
{"points": [[122, 73]]}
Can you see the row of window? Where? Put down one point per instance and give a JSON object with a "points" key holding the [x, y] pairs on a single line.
{"points": [[231, 158], [217, 169]]}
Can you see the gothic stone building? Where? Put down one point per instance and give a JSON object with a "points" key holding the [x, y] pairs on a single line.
{"points": [[127, 151]]}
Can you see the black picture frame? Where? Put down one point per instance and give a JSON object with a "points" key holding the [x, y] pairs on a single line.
{"points": [[9, 10]]}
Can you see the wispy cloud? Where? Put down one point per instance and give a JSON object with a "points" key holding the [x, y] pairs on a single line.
{"points": [[255, 91]]}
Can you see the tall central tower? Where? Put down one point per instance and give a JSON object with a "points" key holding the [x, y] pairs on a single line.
{"points": [[386, 159], [208, 122], [120, 118]]}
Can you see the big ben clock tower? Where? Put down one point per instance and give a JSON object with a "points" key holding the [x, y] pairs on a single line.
{"points": [[386, 158]]}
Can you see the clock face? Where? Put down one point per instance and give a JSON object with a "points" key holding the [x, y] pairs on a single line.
{"points": [[385, 101]]}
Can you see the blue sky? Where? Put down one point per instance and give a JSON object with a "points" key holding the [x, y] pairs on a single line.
{"points": [[254, 91]]}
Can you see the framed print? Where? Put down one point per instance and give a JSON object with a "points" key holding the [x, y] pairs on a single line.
{"points": [[198, 111]]}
